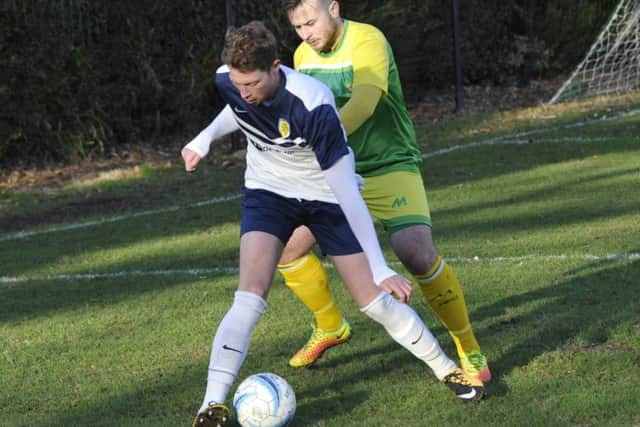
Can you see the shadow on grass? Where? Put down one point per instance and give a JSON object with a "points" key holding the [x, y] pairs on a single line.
{"points": [[489, 161], [577, 315], [62, 248], [172, 398], [594, 300], [568, 210], [31, 299], [35, 252]]}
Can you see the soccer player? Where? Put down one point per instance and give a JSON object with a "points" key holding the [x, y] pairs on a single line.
{"points": [[299, 171], [356, 62]]}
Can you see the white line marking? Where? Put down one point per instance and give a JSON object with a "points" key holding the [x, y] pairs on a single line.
{"points": [[578, 257], [498, 141], [234, 270], [517, 138], [521, 137], [23, 234], [121, 274]]}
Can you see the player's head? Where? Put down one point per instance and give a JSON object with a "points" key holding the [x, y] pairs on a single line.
{"points": [[317, 22], [251, 52]]}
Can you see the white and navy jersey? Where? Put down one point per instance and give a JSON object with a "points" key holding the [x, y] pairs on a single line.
{"points": [[291, 138]]}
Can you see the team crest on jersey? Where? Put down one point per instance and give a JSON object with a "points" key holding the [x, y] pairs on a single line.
{"points": [[284, 128]]}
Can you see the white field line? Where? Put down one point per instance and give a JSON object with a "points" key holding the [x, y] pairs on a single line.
{"points": [[517, 138], [234, 270], [23, 234], [523, 137], [497, 141]]}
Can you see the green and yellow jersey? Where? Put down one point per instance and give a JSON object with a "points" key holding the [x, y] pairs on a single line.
{"points": [[386, 141]]}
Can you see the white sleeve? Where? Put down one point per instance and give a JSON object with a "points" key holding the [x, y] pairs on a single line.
{"points": [[341, 177], [222, 125]]}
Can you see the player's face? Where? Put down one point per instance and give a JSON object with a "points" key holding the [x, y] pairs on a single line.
{"points": [[258, 85], [318, 23]]}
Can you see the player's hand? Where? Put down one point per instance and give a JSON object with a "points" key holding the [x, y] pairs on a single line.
{"points": [[191, 159], [398, 286]]}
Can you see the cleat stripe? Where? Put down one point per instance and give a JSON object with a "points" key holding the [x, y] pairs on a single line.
{"points": [[469, 395]]}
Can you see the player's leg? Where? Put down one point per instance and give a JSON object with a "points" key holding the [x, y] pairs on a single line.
{"points": [[399, 200], [305, 275], [259, 253], [442, 292], [336, 239], [403, 324], [267, 221], [400, 320]]}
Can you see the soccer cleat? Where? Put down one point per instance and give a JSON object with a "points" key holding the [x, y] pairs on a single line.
{"points": [[215, 415], [464, 387], [475, 366], [319, 342]]}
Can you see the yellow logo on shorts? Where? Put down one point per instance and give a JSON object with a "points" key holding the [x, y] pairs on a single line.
{"points": [[284, 128]]}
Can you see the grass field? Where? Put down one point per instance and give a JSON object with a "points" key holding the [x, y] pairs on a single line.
{"points": [[111, 290]]}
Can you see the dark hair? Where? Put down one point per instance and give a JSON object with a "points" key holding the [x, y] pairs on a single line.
{"points": [[250, 47], [289, 5]]}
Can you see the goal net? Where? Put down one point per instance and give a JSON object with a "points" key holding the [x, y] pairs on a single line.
{"points": [[612, 65]]}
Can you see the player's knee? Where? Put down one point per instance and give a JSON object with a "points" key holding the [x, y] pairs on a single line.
{"points": [[258, 287], [419, 261], [299, 244], [290, 254]]}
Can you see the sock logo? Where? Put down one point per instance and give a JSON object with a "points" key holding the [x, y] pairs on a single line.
{"points": [[416, 341], [444, 298], [226, 347]]}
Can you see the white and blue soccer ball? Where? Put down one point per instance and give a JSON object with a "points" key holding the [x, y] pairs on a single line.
{"points": [[264, 400]]}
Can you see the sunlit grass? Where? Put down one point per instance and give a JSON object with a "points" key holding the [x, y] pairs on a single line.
{"points": [[112, 324]]}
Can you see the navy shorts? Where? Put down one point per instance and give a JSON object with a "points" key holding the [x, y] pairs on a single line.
{"points": [[277, 215]]}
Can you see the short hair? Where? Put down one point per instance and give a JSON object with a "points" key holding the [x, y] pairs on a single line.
{"points": [[289, 5], [250, 47]]}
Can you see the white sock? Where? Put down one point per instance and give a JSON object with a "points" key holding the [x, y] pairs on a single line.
{"points": [[407, 329], [231, 344]]}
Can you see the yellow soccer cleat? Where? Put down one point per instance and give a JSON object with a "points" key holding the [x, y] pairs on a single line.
{"points": [[475, 366], [464, 387], [319, 342], [215, 415]]}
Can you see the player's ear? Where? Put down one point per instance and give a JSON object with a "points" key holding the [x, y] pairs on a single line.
{"points": [[334, 9], [275, 68]]}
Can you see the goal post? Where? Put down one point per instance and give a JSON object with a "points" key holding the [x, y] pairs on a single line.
{"points": [[612, 64]]}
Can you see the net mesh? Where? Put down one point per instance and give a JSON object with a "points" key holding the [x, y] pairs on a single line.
{"points": [[612, 65]]}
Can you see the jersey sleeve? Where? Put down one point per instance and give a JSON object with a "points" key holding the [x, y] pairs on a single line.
{"points": [[297, 56], [341, 177], [222, 125], [371, 61], [326, 135]]}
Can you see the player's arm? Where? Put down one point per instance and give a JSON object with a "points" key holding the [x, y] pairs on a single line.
{"points": [[367, 91], [370, 81], [341, 178], [223, 124], [363, 102]]}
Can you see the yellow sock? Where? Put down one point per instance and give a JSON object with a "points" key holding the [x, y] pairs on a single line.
{"points": [[307, 278], [444, 295]]}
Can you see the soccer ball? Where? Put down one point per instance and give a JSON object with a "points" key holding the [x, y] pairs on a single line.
{"points": [[264, 400]]}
